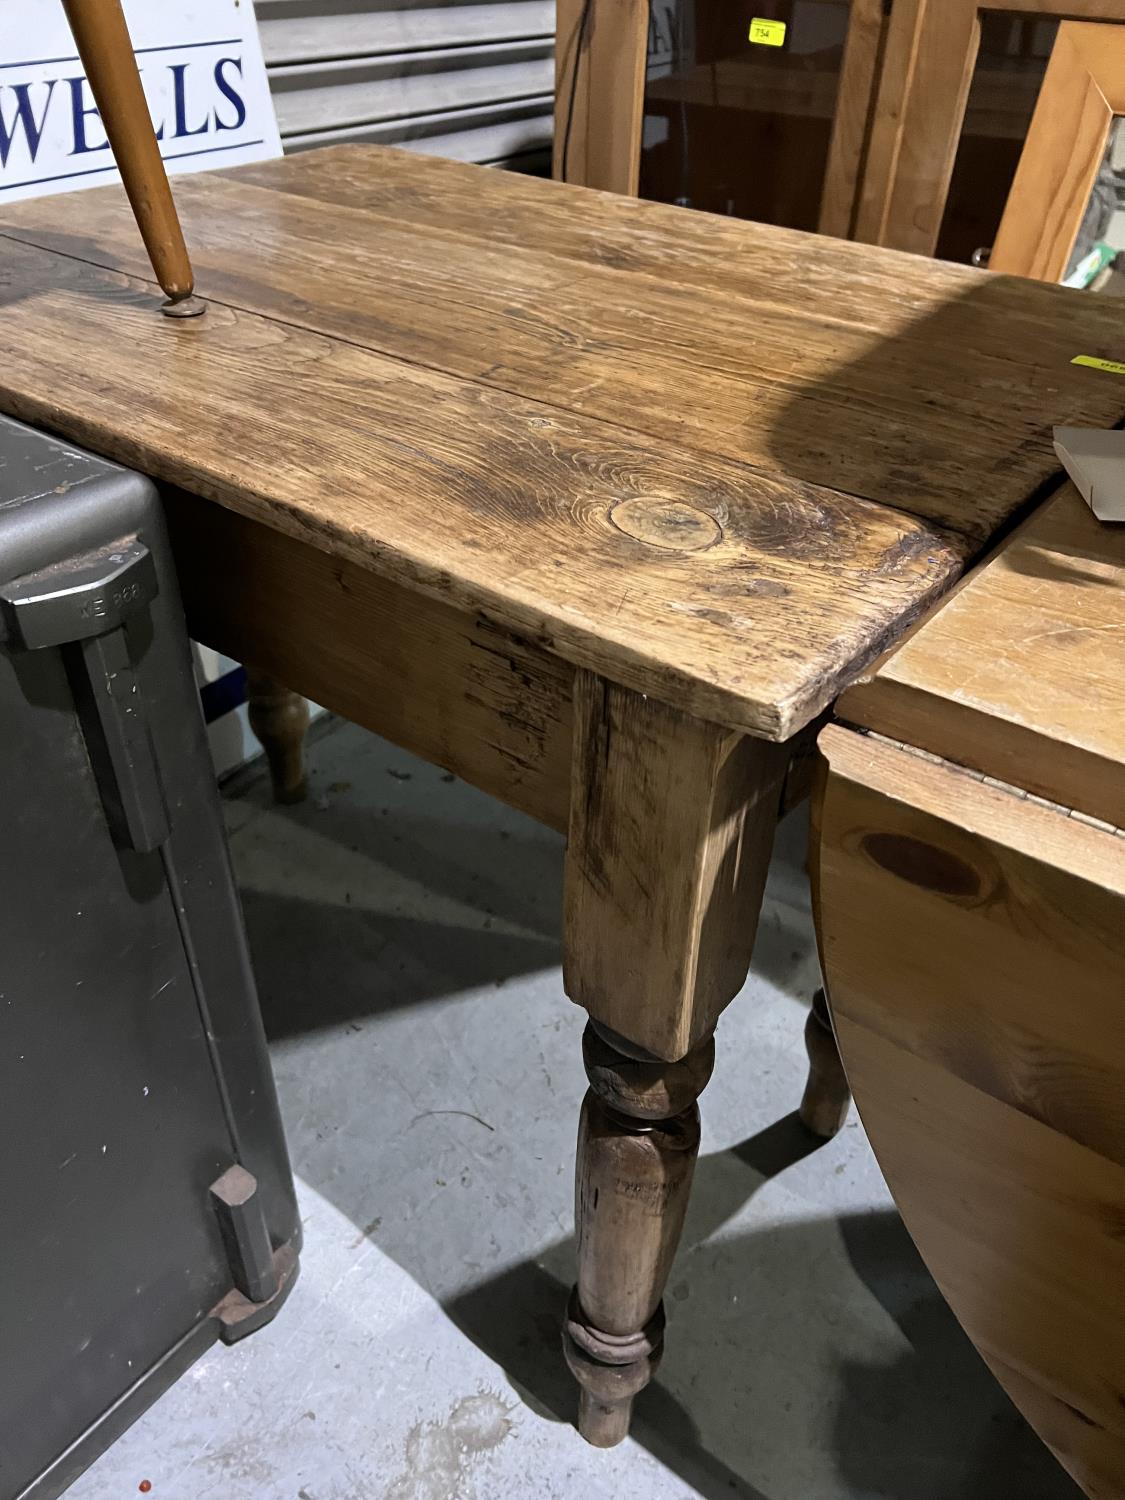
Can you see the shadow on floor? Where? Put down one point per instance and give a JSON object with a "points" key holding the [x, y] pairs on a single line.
{"points": [[438, 888], [306, 985], [442, 904], [515, 1320], [930, 1424], [433, 885]]}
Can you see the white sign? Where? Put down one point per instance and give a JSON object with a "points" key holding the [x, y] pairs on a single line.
{"points": [[203, 75]]}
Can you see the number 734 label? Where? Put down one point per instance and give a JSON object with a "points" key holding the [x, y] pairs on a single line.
{"points": [[768, 33]]}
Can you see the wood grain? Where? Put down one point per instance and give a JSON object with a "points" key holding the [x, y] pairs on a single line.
{"points": [[743, 598], [671, 827], [456, 689], [601, 47], [851, 124], [931, 52], [974, 948], [930, 389], [386, 355], [906, 177], [708, 251], [1084, 89], [1021, 674]]}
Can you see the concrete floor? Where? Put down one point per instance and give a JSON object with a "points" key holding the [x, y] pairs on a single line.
{"points": [[406, 935]]}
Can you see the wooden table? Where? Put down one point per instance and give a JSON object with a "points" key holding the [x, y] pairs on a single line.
{"points": [[972, 923], [595, 502]]}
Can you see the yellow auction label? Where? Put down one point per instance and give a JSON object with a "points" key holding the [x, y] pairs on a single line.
{"points": [[1114, 366], [768, 33]]}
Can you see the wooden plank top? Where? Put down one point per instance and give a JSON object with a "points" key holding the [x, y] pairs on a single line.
{"points": [[718, 462], [1021, 674]]}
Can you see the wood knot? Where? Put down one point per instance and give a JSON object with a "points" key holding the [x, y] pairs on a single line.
{"points": [[924, 865], [670, 525]]}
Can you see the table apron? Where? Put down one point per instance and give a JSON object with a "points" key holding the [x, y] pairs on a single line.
{"points": [[452, 687]]}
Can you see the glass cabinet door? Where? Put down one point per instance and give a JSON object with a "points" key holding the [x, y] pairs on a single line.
{"points": [[737, 125], [1012, 62]]}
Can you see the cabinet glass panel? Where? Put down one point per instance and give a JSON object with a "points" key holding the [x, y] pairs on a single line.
{"points": [[1013, 59], [738, 116], [1097, 262]]}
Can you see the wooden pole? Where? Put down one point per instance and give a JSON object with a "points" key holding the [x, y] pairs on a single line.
{"points": [[106, 51]]}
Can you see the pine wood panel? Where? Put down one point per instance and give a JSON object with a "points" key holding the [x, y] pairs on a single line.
{"points": [[569, 532], [455, 688], [855, 99], [1021, 674], [601, 48], [974, 948], [932, 389], [671, 827], [602, 229], [931, 51], [1083, 91]]}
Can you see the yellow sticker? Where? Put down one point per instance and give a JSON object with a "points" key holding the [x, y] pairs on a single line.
{"points": [[1114, 366], [768, 33]]}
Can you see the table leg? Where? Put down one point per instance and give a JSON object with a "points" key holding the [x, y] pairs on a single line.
{"points": [[824, 1107], [671, 828], [279, 718], [638, 1139]]}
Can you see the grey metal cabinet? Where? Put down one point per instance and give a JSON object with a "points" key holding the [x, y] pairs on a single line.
{"points": [[146, 1201]]}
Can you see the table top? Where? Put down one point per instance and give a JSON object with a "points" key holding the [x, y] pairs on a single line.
{"points": [[1042, 706], [719, 462]]}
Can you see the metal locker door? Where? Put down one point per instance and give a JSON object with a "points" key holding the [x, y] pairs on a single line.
{"points": [[133, 1072]]}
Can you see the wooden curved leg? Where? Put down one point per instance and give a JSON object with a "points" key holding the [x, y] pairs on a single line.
{"points": [[637, 1143], [827, 1098], [279, 718]]}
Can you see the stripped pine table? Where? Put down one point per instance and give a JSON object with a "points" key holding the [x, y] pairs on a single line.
{"points": [[597, 503]]}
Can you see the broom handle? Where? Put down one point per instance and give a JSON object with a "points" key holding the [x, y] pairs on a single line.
{"points": [[103, 44]]}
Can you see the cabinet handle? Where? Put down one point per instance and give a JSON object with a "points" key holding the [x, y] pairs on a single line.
{"points": [[81, 605]]}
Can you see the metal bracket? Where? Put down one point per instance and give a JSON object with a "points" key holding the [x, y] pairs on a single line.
{"points": [[82, 605], [245, 1236], [79, 597]]}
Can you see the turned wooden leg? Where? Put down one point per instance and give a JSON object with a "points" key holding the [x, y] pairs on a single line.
{"points": [[637, 1143], [671, 826], [279, 718], [824, 1107]]}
